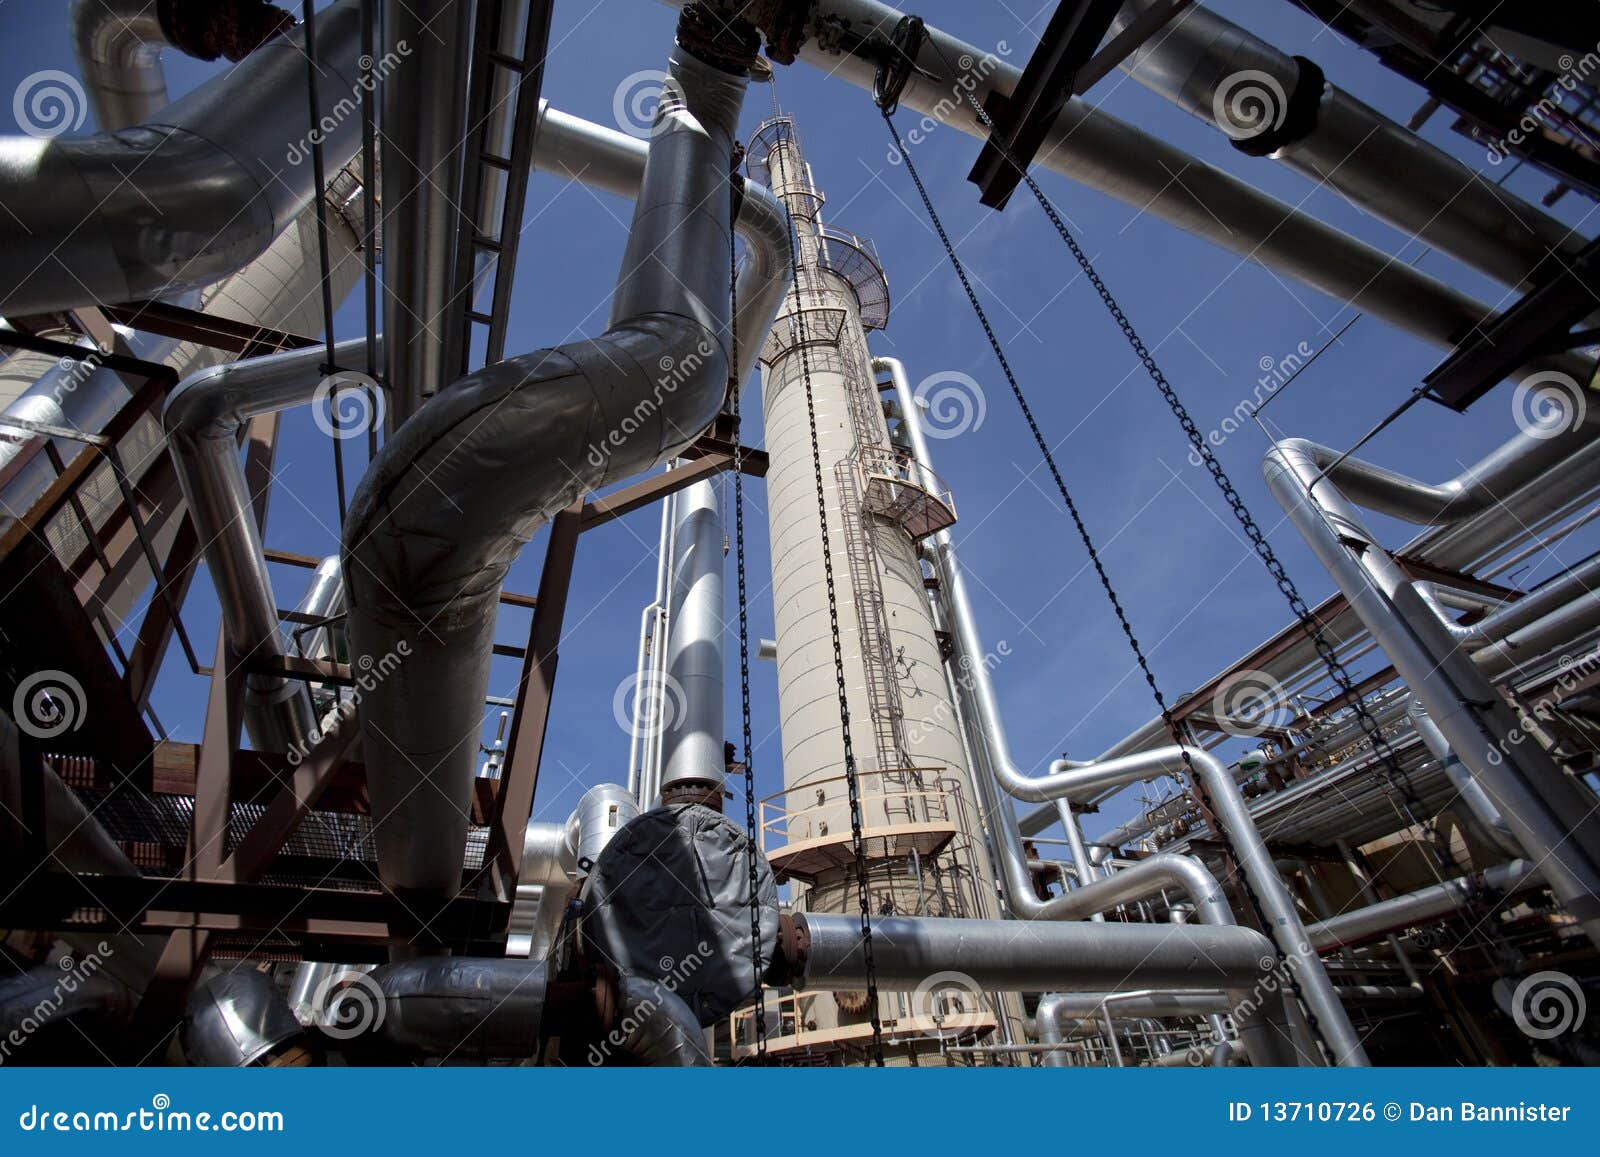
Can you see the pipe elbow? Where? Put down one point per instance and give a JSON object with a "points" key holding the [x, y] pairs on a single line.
{"points": [[656, 1026]]}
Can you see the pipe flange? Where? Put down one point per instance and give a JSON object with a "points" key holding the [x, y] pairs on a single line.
{"points": [[728, 45], [207, 29], [686, 792], [794, 952]]}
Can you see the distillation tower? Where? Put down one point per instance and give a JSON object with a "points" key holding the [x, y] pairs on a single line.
{"points": [[921, 819]]}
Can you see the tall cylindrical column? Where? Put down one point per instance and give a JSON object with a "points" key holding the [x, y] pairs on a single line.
{"points": [[919, 813]]}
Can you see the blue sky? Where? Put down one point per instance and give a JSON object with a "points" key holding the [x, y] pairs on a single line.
{"points": [[1197, 597]]}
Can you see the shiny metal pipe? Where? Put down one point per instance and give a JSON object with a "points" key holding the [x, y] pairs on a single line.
{"points": [[1204, 63], [1543, 809], [689, 702], [421, 138], [202, 418], [1480, 807], [1044, 956], [118, 44], [1423, 905], [603, 158], [1104, 153], [216, 176], [452, 497], [1063, 1014]]}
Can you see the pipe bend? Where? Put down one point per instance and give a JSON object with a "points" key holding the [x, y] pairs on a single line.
{"points": [[221, 173], [659, 1030], [462, 486]]}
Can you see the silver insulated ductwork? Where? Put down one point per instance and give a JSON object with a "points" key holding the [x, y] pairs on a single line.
{"points": [[184, 198], [459, 490]]}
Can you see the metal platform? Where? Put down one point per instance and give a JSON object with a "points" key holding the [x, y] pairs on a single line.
{"points": [[856, 260], [896, 488]]}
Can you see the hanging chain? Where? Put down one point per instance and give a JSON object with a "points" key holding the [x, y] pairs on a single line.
{"points": [[852, 781], [1193, 780], [1395, 778], [752, 831]]}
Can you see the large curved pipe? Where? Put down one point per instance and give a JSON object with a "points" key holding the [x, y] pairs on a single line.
{"points": [[1067, 779], [220, 174], [456, 492], [1204, 64], [603, 158], [444, 1006], [1096, 149], [203, 417], [118, 44], [656, 1027], [1480, 486], [1481, 808]]}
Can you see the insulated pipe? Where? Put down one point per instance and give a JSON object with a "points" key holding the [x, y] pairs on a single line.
{"points": [[1481, 807], [118, 45], [1544, 810], [689, 702], [203, 417], [1066, 779], [1424, 905], [214, 184], [1096, 149], [444, 1006], [1213, 69], [603, 158], [1039, 956], [657, 1027], [1572, 585], [421, 137], [452, 497], [54, 993]]}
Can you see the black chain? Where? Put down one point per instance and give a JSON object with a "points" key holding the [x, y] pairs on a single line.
{"points": [[1394, 776], [1192, 778], [752, 832], [852, 782]]}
